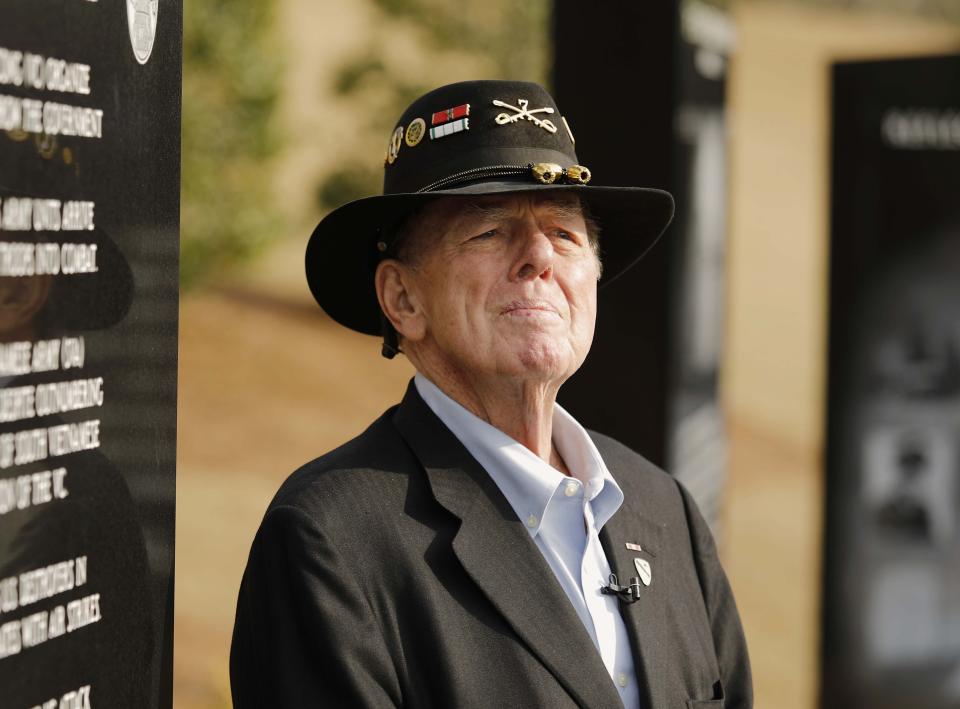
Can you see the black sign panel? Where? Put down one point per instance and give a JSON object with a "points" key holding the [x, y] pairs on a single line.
{"points": [[89, 223], [630, 354], [696, 450], [892, 546]]}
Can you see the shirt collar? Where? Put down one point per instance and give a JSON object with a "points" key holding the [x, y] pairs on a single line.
{"points": [[529, 483], [584, 460]]}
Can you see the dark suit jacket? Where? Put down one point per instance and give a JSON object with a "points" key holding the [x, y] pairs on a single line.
{"points": [[393, 572]]}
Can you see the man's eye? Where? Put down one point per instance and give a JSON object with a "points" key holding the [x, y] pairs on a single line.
{"points": [[486, 235], [563, 234]]}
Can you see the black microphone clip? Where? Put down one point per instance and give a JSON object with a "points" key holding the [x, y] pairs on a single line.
{"points": [[627, 594]]}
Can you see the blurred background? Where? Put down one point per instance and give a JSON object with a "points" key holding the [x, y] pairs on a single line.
{"points": [[790, 350]]}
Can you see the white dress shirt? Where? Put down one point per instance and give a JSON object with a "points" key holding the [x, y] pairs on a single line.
{"points": [[563, 515]]}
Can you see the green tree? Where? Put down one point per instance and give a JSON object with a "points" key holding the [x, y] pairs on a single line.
{"points": [[231, 72]]}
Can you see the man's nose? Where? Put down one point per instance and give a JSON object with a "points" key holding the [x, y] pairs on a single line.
{"points": [[535, 255]]}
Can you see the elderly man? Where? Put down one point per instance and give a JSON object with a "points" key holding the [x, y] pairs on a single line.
{"points": [[475, 546]]}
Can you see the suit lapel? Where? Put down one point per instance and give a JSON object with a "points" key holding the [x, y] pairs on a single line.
{"points": [[501, 558], [645, 619]]}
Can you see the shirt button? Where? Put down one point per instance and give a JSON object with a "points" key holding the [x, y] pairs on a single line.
{"points": [[532, 521], [622, 680], [571, 489]]}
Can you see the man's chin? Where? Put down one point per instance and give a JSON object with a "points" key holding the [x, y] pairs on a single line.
{"points": [[542, 359]]}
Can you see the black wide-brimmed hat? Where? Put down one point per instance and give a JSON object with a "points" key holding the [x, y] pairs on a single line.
{"points": [[472, 138]]}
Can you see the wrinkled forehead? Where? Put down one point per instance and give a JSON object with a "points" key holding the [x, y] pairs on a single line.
{"points": [[493, 208], [448, 216]]}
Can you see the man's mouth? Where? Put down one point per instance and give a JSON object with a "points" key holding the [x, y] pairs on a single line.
{"points": [[530, 308]]}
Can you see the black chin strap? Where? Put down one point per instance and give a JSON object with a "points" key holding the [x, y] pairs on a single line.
{"points": [[391, 341]]}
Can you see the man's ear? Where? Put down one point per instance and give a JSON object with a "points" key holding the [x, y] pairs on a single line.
{"points": [[393, 281], [21, 298]]}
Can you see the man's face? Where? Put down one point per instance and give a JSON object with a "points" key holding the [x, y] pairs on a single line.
{"points": [[507, 285]]}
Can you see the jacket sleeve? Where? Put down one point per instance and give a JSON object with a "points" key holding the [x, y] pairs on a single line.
{"points": [[729, 642], [305, 633]]}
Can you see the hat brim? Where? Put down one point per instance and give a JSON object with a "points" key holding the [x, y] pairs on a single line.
{"points": [[342, 257]]}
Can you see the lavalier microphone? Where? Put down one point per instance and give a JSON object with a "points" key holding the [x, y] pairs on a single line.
{"points": [[627, 594]]}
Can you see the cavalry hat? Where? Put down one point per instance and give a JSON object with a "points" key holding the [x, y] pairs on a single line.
{"points": [[467, 139]]}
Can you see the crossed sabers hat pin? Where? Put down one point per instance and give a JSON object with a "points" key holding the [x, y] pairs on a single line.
{"points": [[522, 111]]}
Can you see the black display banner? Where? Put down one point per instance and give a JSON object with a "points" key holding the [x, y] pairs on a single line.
{"points": [[89, 239], [697, 446], [891, 635]]}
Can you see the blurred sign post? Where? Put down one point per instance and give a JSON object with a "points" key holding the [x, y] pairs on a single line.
{"points": [[89, 235], [656, 353], [618, 45], [892, 555]]}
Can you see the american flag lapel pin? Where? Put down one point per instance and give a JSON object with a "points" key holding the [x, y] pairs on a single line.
{"points": [[449, 121]]}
